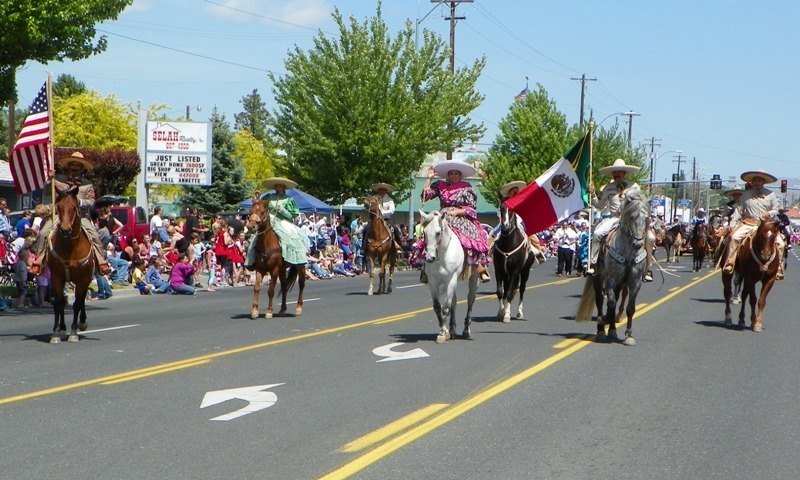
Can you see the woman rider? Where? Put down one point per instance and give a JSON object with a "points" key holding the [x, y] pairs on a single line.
{"points": [[283, 210]]}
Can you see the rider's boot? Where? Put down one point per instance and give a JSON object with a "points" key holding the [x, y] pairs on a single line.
{"points": [[483, 274], [733, 251], [102, 264]]}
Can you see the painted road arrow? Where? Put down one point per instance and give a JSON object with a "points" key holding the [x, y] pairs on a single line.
{"points": [[256, 396], [391, 355]]}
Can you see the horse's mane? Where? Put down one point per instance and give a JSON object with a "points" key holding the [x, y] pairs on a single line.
{"points": [[635, 204]]}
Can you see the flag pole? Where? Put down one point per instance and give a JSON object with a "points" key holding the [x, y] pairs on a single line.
{"points": [[50, 160], [591, 207]]}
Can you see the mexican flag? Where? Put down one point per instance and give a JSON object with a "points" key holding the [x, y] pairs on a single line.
{"points": [[557, 193]]}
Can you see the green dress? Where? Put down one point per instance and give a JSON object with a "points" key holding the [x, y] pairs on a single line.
{"points": [[283, 210]]}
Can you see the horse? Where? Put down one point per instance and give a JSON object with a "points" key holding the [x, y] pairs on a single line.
{"points": [[269, 261], [71, 260], [756, 261], [379, 248], [513, 259], [673, 242], [444, 264], [620, 268], [700, 245]]}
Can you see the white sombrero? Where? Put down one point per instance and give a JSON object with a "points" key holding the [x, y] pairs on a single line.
{"points": [[75, 157], [518, 184], [442, 168], [701, 210], [377, 186], [732, 191], [619, 164], [271, 182], [748, 176]]}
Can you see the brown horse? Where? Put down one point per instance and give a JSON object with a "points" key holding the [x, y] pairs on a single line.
{"points": [[673, 243], [269, 261], [756, 261], [71, 260], [700, 245], [379, 248]]}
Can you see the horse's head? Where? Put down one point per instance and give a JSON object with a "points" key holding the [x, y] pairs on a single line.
{"points": [[634, 215], [432, 228], [764, 240], [259, 217], [66, 206], [371, 205], [508, 220]]}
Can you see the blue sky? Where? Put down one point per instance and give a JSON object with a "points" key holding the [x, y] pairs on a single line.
{"points": [[714, 79]]}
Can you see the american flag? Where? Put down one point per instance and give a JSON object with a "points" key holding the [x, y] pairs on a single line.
{"points": [[30, 158]]}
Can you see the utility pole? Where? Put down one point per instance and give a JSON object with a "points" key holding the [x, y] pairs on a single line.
{"points": [[653, 146], [695, 186], [11, 107], [583, 81], [452, 18], [679, 159], [630, 116]]}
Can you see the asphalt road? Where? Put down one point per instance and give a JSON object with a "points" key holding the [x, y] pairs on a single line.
{"points": [[328, 394]]}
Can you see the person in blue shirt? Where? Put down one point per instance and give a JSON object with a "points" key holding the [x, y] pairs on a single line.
{"points": [[23, 223]]}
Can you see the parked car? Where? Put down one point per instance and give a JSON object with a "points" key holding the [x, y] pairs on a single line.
{"points": [[134, 222]]}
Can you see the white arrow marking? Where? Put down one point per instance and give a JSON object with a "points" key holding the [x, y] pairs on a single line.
{"points": [[386, 351], [258, 400]]}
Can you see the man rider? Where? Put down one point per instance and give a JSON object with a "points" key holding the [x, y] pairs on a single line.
{"points": [[387, 208], [76, 166]]}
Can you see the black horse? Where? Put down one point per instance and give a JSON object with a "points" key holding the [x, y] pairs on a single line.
{"points": [[513, 258]]}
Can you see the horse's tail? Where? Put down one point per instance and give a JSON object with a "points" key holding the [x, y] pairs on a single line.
{"points": [[291, 278], [586, 307]]}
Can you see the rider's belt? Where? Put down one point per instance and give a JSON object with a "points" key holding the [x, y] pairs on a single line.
{"points": [[754, 222]]}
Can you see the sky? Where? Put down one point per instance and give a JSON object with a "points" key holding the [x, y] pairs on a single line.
{"points": [[712, 82]]}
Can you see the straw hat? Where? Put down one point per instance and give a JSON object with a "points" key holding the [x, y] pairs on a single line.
{"points": [[737, 189], [75, 157], [377, 186], [716, 211], [748, 176], [442, 168], [518, 184], [701, 210], [271, 182], [619, 164]]}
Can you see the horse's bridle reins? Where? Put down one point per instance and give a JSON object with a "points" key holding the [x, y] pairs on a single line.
{"points": [[507, 255], [66, 234], [379, 217], [261, 229], [762, 266]]}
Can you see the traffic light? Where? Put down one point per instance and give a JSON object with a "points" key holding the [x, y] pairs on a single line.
{"points": [[716, 182], [784, 187], [675, 178]]}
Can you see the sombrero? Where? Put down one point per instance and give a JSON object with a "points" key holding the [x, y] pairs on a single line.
{"points": [[271, 182], [75, 157], [736, 189], [716, 210], [518, 184], [377, 186], [701, 210], [748, 176], [619, 164], [442, 168]]}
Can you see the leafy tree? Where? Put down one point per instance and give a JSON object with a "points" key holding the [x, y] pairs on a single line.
{"points": [[114, 169], [66, 85], [611, 144], [258, 161], [5, 143], [228, 186], [255, 118], [49, 30], [91, 120], [361, 108]]}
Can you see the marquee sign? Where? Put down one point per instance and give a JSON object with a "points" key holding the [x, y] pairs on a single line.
{"points": [[178, 153]]}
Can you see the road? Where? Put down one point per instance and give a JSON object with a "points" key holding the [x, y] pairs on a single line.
{"points": [[327, 395]]}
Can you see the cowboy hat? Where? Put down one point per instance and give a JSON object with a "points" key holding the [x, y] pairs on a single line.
{"points": [[716, 210], [377, 186], [737, 189], [272, 181], [75, 157], [518, 184], [619, 164], [748, 176], [442, 168], [701, 210]]}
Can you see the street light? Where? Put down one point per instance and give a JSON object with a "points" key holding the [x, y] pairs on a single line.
{"points": [[653, 165]]}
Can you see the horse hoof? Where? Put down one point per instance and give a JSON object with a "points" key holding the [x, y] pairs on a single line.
{"points": [[73, 338], [758, 328], [55, 340], [467, 334], [612, 334], [82, 326], [298, 312], [741, 323], [369, 293], [629, 341], [506, 318], [601, 337], [268, 315], [254, 314], [388, 291], [728, 322], [442, 337]]}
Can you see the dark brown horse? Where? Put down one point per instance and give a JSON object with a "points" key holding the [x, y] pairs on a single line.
{"points": [[757, 261], [269, 261], [673, 243], [379, 248], [71, 260], [700, 245]]}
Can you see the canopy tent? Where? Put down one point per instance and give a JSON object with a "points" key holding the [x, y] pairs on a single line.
{"points": [[305, 202]]}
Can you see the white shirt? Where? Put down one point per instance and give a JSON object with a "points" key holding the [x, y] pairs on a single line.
{"points": [[566, 238], [386, 206], [155, 224]]}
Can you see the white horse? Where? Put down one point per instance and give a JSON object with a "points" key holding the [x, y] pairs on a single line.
{"points": [[444, 257]]}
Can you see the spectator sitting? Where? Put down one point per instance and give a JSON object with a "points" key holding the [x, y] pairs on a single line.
{"points": [[315, 266], [139, 280], [182, 276], [153, 276], [119, 274], [338, 267]]}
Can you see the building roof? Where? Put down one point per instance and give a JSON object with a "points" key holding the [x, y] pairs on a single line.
{"points": [[5, 173]]}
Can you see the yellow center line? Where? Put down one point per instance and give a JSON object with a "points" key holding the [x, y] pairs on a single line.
{"points": [[155, 372], [393, 428]]}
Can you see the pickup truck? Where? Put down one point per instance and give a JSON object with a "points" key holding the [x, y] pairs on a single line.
{"points": [[134, 222]]}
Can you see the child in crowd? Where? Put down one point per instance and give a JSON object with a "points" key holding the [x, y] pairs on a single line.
{"points": [[21, 277], [43, 287], [138, 278], [211, 261], [153, 276]]}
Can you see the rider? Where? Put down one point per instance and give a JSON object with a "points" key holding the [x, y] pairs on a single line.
{"points": [[755, 203], [507, 191], [282, 210], [76, 166], [609, 204], [699, 216], [457, 202], [386, 207], [733, 209], [715, 220]]}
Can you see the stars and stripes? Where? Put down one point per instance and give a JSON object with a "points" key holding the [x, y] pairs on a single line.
{"points": [[30, 157]]}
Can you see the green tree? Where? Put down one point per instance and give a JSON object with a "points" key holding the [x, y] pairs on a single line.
{"points": [[255, 118], [89, 120], [258, 161], [228, 186], [360, 107], [114, 169], [49, 30], [532, 137], [66, 85], [610, 144]]}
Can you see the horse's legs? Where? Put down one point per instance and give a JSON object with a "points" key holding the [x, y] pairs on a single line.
{"points": [[766, 286], [78, 310], [301, 280], [748, 291], [273, 279], [612, 295], [382, 273], [473, 292], [726, 292], [598, 301], [59, 305], [630, 310], [256, 291], [737, 289], [284, 282], [392, 260], [371, 273], [523, 280]]}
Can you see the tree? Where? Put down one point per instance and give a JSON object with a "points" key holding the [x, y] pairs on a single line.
{"points": [[533, 136], [67, 85], [228, 186], [46, 30], [89, 120], [114, 169], [258, 161], [361, 108], [255, 118], [612, 143]]}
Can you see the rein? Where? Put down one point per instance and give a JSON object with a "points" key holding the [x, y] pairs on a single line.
{"points": [[263, 229], [762, 266], [619, 257], [380, 219]]}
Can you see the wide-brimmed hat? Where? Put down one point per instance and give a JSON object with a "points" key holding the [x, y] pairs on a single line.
{"points": [[768, 178], [271, 182], [701, 210], [716, 210], [518, 184], [734, 190], [377, 186], [442, 168], [619, 164], [75, 157]]}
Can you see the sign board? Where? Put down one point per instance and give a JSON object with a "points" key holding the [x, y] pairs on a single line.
{"points": [[684, 202], [178, 153]]}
